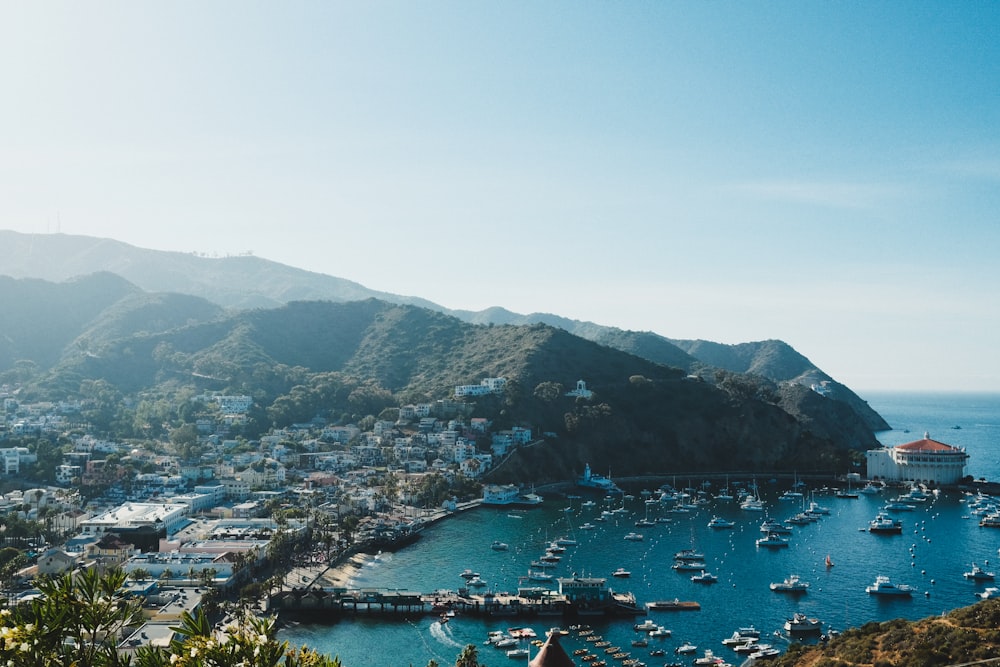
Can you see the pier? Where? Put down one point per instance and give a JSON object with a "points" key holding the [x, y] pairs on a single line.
{"points": [[598, 600]]}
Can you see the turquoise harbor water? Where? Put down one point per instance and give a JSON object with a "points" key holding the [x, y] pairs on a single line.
{"points": [[940, 540]]}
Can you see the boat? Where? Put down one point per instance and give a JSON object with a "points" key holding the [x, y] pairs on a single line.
{"points": [[689, 554], [870, 489], [978, 574], [896, 506], [883, 586], [587, 526], [742, 635], [505, 642], [791, 584], [800, 624], [673, 605], [593, 481], [707, 659], [688, 566], [704, 578], [816, 508], [719, 522], [660, 632], [772, 541], [634, 537], [988, 592], [621, 572], [686, 648], [539, 575], [468, 574], [518, 653], [640, 643], [499, 546], [646, 626], [565, 542], [752, 504], [543, 564], [885, 524], [750, 646], [476, 582], [764, 652], [774, 526]]}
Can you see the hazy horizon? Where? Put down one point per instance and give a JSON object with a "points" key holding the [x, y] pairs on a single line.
{"points": [[826, 174]]}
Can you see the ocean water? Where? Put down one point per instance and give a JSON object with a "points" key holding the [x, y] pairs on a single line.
{"points": [[940, 541]]}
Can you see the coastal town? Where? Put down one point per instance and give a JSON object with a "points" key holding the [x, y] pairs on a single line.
{"points": [[279, 524]]}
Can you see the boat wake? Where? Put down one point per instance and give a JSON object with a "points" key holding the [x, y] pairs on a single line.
{"points": [[443, 634]]}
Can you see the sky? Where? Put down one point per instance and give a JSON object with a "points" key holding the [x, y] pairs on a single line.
{"points": [[824, 173]]}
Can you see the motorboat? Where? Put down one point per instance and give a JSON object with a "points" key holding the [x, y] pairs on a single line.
{"points": [[774, 526], [497, 545], [566, 542], [988, 592], [587, 526], [883, 586], [687, 648], [885, 524], [688, 566], [621, 572], [741, 636], [896, 506], [707, 659], [791, 584], [704, 578], [978, 574], [660, 632], [772, 541], [646, 626], [468, 574], [634, 537], [800, 624], [764, 652], [476, 582], [673, 605], [719, 522], [518, 653], [750, 646], [689, 554]]}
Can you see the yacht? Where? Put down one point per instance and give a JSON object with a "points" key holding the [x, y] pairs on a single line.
{"points": [[988, 592], [719, 522], [885, 524], [792, 584], [800, 624], [646, 626], [752, 504], [883, 586], [660, 632], [621, 573], [686, 648], [773, 541], [704, 578], [476, 582], [468, 574], [775, 526], [978, 574], [634, 537], [497, 545], [689, 566], [689, 554], [741, 636]]}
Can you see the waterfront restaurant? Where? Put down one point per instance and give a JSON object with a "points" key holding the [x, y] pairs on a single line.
{"points": [[927, 461]]}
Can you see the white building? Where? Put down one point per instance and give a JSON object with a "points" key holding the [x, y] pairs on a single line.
{"points": [[925, 460], [167, 516], [485, 386]]}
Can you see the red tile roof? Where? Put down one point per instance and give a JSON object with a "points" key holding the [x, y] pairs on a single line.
{"points": [[927, 445]]}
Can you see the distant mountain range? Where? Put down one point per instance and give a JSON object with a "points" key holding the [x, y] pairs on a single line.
{"points": [[100, 309]]}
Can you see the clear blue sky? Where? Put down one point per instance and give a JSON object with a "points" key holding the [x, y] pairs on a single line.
{"points": [[826, 173]]}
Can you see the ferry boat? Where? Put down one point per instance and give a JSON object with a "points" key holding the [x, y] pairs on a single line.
{"points": [[885, 524], [883, 586], [792, 584]]}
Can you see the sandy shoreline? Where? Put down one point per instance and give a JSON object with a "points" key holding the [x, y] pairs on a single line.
{"points": [[324, 576]]}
